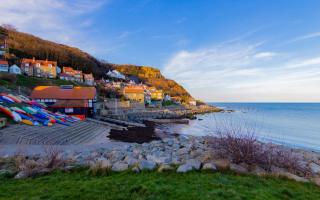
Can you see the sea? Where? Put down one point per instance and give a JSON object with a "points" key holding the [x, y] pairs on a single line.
{"points": [[292, 124]]}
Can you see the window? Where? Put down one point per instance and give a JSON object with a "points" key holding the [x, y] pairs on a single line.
{"points": [[68, 110]]}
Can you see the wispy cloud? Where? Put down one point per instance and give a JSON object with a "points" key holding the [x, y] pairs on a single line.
{"points": [[63, 21], [304, 37], [241, 71]]}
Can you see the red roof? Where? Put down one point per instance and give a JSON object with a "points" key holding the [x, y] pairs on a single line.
{"points": [[133, 89], [3, 62], [55, 92], [67, 69], [42, 62]]}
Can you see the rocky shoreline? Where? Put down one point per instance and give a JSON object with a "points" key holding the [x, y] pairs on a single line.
{"points": [[180, 153], [171, 113]]}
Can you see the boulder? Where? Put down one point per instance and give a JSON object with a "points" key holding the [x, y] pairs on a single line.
{"points": [[238, 168], [195, 164], [209, 167], [21, 175], [316, 181], [131, 161], [147, 165], [184, 168], [294, 177], [315, 169], [165, 167], [135, 169], [160, 159], [258, 171], [222, 164], [116, 156], [119, 166]]}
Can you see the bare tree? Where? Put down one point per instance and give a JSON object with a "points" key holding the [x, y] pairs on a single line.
{"points": [[9, 27]]}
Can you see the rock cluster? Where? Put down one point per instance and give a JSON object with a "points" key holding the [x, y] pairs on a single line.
{"points": [[182, 154]]}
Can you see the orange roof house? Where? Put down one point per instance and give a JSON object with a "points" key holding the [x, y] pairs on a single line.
{"points": [[39, 68], [76, 74], [70, 100], [56, 92], [134, 93], [67, 70]]}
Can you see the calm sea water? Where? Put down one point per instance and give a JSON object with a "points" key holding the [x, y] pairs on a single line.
{"points": [[292, 124]]}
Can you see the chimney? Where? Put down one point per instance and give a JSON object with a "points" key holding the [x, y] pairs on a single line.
{"points": [[33, 59]]}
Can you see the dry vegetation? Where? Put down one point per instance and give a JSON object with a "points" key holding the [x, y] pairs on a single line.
{"points": [[153, 77], [22, 45], [238, 143]]}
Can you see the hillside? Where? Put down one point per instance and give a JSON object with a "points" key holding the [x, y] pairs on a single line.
{"points": [[22, 45], [153, 77]]}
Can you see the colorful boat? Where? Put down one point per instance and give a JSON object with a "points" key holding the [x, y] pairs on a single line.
{"points": [[12, 114], [28, 122]]}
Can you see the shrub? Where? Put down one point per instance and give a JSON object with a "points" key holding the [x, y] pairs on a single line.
{"points": [[53, 157], [238, 142], [8, 77]]}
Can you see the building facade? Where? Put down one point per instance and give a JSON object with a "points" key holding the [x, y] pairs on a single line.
{"points": [[88, 79], [134, 93], [39, 68], [75, 101], [4, 66]]}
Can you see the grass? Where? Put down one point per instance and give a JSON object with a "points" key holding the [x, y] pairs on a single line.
{"points": [[152, 185], [31, 82]]}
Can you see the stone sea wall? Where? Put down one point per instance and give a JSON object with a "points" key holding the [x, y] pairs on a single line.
{"points": [[180, 153]]}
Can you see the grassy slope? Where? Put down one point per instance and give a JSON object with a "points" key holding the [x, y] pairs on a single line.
{"points": [[31, 82], [151, 185]]}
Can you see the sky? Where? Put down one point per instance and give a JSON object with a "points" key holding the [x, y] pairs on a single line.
{"points": [[219, 50]]}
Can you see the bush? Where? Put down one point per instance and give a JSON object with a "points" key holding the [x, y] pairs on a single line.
{"points": [[238, 142], [8, 77]]}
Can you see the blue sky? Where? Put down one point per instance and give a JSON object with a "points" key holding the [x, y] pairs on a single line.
{"points": [[220, 50]]}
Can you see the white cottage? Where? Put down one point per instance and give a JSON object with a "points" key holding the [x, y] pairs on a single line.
{"points": [[14, 69]]}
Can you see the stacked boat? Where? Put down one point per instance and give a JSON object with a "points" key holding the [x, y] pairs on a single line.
{"points": [[24, 110]]}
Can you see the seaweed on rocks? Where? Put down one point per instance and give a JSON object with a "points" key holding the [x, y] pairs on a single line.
{"points": [[135, 134]]}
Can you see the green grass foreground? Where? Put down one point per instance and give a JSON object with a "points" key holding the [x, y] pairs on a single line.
{"points": [[153, 185]]}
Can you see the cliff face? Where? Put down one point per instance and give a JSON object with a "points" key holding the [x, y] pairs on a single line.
{"points": [[153, 77], [22, 45]]}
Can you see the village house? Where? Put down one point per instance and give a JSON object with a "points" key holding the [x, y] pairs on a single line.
{"points": [[67, 77], [134, 93], [156, 95], [75, 101], [192, 102], [14, 69], [88, 79], [68, 73], [39, 68], [4, 66]]}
